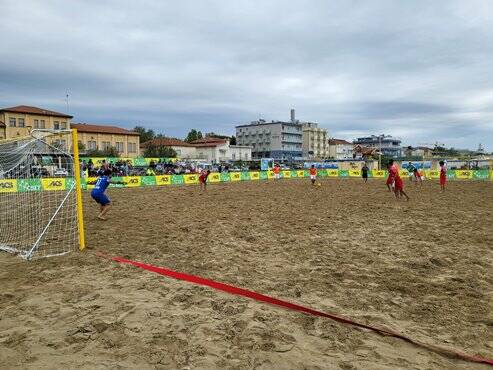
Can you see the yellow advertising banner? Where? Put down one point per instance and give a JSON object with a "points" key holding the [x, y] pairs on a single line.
{"points": [[214, 177], [378, 173], [333, 173], [132, 181], [270, 174], [354, 173], [53, 184], [191, 179], [155, 160], [491, 175], [463, 174], [235, 176], [97, 161], [91, 179], [163, 180], [300, 173], [286, 174], [8, 186], [403, 173], [433, 174], [255, 175]]}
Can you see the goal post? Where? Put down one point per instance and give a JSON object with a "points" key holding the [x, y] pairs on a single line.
{"points": [[41, 211]]}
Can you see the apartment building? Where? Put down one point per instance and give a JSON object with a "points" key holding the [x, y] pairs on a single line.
{"points": [[276, 139], [315, 143]]}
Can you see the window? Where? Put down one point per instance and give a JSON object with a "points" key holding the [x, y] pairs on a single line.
{"points": [[42, 123], [106, 145], [91, 145], [36, 123], [22, 123], [56, 125], [119, 147], [64, 125], [132, 148], [12, 122]]}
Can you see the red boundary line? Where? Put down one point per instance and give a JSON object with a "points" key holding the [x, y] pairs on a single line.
{"points": [[281, 303]]}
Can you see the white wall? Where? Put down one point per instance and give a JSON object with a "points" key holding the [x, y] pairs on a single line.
{"points": [[185, 152]]}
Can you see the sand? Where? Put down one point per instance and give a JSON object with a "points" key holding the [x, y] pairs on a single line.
{"points": [[423, 268]]}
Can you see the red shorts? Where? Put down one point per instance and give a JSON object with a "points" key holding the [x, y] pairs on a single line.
{"points": [[202, 179], [443, 180], [389, 181], [399, 184]]}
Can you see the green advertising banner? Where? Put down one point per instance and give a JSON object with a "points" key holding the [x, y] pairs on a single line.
{"points": [[148, 180], [322, 173], [343, 173], [225, 177], [480, 174], [245, 176], [25, 185], [264, 175], [451, 175], [177, 180]]}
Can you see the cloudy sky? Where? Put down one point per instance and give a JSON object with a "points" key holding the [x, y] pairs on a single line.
{"points": [[420, 70]]}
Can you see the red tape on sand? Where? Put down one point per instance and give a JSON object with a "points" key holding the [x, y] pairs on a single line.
{"points": [[278, 302]]}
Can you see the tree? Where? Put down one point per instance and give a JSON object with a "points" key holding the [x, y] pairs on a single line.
{"points": [[193, 135], [110, 152], [159, 151], [145, 134], [81, 146], [232, 141]]}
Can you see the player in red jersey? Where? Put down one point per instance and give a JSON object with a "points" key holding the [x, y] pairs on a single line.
{"points": [[203, 179], [443, 175], [392, 170], [399, 187], [313, 174]]}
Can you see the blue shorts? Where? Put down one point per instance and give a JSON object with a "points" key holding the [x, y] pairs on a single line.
{"points": [[101, 198]]}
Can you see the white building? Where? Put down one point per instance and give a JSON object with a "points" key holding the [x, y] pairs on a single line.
{"points": [[340, 149], [215, 150], [275, 139], [314, 141]]}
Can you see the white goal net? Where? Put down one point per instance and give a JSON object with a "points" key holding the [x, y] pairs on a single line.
{"points": [[38, 203]]}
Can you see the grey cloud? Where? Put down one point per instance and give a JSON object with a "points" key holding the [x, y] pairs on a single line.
{"points": [[417, 69]]}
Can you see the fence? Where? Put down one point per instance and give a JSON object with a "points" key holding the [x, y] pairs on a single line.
{"points": [[25, 185]]}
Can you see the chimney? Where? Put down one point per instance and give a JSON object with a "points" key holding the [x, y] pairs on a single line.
{"points": [[293, 116]]}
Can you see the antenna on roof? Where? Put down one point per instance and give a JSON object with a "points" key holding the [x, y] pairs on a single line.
{"points": [[66, 100]]}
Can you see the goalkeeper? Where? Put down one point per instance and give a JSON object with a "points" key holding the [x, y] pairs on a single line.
{"points": [[98, 194]]}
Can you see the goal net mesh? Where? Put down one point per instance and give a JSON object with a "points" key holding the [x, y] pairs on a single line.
{"points": [[38, 209]]}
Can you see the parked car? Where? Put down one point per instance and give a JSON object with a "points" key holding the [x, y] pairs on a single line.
{"points": [[61, 172]]}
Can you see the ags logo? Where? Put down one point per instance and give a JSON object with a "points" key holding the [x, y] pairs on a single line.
{"points": [[235, 176], [53, 184], [163, 180], [254, 175], [7, 186]]}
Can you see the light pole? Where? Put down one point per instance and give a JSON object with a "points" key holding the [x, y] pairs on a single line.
{"points": [[380, 152]]}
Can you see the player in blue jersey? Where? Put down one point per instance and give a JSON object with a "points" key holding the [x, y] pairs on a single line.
{"points": [[98, 194]]}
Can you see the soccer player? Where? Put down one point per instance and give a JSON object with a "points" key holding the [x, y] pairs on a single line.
{"points": [[443, 175], [98, 194], [277, 172], [364, 172], [418, 177], [203, 179], [390, 179], [399, 187], [313, 174]]}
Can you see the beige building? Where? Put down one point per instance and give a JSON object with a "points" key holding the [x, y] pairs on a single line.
{"points": [[314, 141], [19, 121], [102, 137], [340, 149]]}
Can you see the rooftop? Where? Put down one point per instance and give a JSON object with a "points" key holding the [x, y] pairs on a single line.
{"points": [[209, 142], [101, 129], [26, 109], [262, 122], [339, 142], [167, 141]]}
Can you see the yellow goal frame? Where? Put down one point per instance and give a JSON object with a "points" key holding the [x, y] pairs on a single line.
{"points": [[78, 190]]}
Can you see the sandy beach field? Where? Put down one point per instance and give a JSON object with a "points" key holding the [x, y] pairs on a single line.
{"points": [[422, 267]]}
